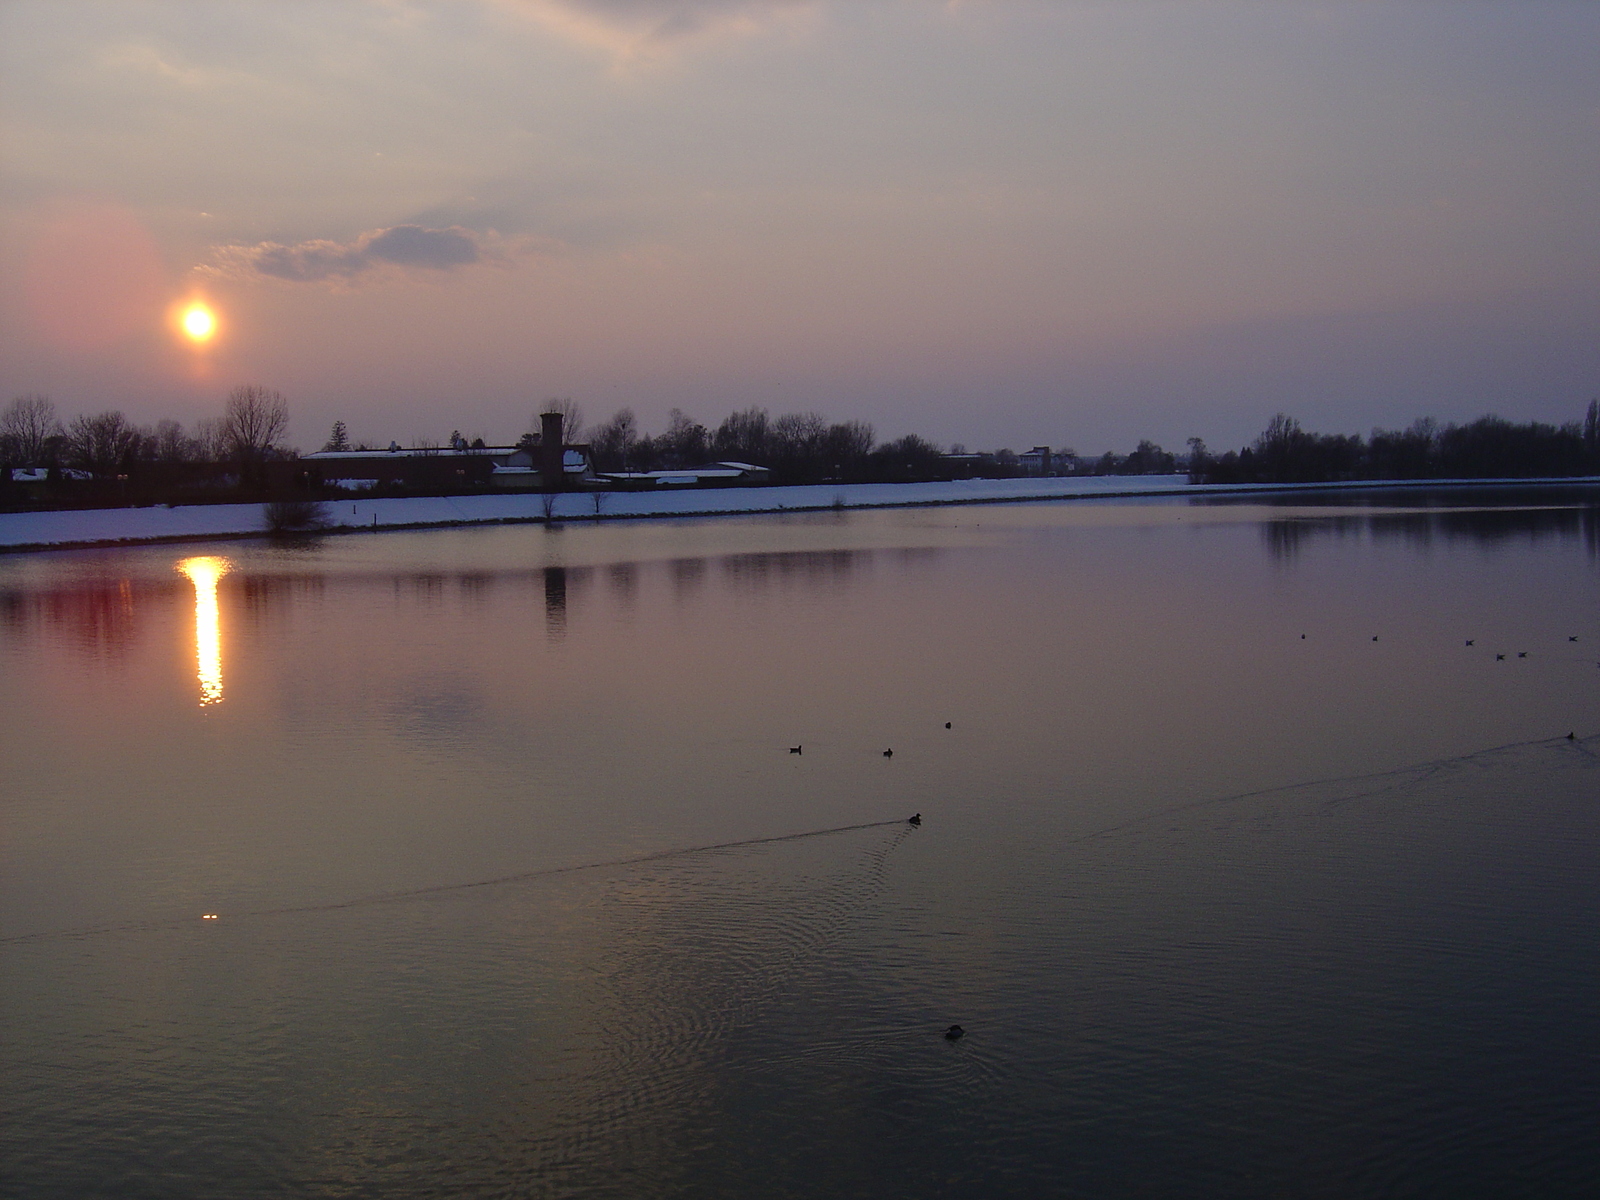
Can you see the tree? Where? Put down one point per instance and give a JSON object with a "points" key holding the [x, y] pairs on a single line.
{"points": [[686, 442], [614, 441], [743, 435], [339, 438], [26, 429], [168, 443], [101, 444], [252, 424]]}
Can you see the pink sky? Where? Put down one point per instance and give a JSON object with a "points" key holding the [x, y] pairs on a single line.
{"points": [[994, 222]]}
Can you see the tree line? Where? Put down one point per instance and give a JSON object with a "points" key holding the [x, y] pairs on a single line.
{"points": [[106, 449], [1489, 448], [795, 447], [240, 453]]}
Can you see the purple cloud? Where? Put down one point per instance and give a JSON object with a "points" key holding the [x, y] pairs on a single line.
{"points": [[320, 260]]}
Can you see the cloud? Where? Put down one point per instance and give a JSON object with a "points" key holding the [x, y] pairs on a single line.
{"points": [[639, 28], [321, 260]]}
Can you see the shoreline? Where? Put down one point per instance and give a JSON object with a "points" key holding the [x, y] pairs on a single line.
{"points": [[109, 528]]}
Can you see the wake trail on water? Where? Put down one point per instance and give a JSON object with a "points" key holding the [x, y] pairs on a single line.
{"points": [[399, 897], [1381, 781]]}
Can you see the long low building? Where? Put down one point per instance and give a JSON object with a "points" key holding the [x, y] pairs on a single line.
{"points": [[441, 467], [722, 474]]}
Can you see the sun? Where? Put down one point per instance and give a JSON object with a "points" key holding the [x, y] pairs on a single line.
{"points": [[199, 323]]}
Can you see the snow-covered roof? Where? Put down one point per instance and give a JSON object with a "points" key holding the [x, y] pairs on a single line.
{"points": [[412, 452]]}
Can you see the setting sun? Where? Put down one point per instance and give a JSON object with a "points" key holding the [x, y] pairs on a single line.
{"points": [[199, 323]]}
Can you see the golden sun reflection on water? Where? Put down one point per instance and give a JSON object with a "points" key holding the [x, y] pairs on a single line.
{"points": [[204, 572]]}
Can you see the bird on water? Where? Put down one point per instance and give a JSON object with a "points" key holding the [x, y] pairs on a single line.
{"points": [[914, 819], [888, 753], [1469, 641], [954, 1032], [796, 749], [947, 723], [1499, 658]]}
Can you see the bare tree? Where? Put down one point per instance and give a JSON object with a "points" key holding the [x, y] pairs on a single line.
{"points": [[210, 440], [100, 444], [27, 426], [614, 441], [169, 444], [254, 421]]}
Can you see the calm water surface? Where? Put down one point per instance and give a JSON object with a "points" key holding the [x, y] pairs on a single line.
{"points": [[460, 863]]}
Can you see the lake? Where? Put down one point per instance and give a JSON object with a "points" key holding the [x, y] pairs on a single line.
{"points": [[1254, 858]]}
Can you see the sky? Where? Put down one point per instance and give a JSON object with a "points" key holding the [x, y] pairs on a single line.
{"points": [[992, 222]]}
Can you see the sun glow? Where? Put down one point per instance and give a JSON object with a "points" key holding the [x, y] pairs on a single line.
{"points": [[204, 573], [199, 323]]}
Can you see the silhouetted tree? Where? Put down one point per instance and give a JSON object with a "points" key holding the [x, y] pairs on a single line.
{"points": [[339, 438], [27, 427], [253, 422], [743, 436], [613, 442], [102, 444]]}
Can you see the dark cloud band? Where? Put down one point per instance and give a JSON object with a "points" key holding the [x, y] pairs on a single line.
{"points": [[319, 260]]}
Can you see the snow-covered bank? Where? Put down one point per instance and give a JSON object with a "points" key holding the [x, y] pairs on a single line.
{"points": [[116, 526]]}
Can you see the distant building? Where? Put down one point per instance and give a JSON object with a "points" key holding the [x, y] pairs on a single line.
{"points": [[722, 474], [446, 468], [524, 468], [421, 467], [1035, 461]]}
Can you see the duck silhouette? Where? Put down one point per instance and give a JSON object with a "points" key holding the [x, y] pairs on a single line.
{"points": [[1499, 658], [1469, 641], [914, 819], [947, 723], [796, 749], [954, 1032], [888, 753], [1522, 654]]}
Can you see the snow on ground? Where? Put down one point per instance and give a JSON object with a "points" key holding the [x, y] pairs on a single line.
{"points": [[102, 526]]}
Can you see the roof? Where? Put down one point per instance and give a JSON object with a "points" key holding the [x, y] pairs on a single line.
{"points": [[413, 452]]}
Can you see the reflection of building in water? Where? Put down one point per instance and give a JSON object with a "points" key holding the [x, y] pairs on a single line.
{"points": [[205, 572], [555, 601]]}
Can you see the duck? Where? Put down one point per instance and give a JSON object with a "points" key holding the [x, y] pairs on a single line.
{"points": [[947, 724], [954, 1032], [914, 819], [796, 749], [888, 753]]}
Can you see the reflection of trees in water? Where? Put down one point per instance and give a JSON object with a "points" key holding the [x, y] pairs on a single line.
{"points": [[805, 568], [1487, 527], [688, 576], [474, 585], [98, 619], [622, 580], [269, 595]]}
